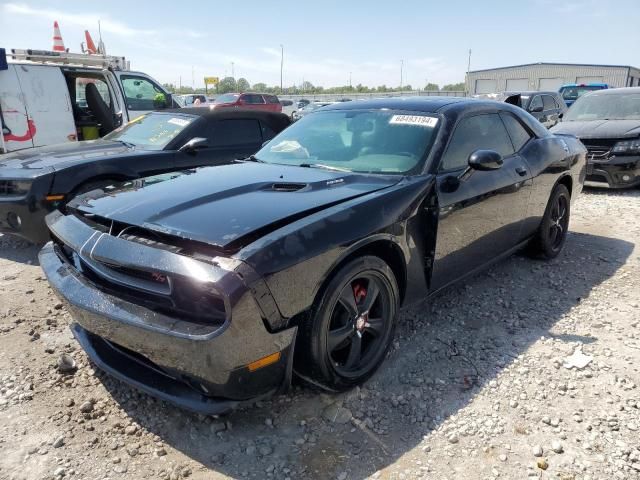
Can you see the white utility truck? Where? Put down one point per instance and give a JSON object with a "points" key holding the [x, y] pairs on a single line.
{"points": [[49, 97]]}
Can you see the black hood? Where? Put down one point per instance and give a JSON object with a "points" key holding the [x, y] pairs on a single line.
{"points": [[56, 157], [221, 206], [599, 128]]}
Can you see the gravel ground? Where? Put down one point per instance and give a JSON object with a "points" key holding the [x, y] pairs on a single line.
{"points": [[477, 384]]}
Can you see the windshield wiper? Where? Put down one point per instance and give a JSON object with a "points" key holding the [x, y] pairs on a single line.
{"points": [[325, 167]]}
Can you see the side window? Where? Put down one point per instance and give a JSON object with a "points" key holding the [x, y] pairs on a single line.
{"points": [[548, 102], [235, 132], [519, 135], [142, 94], [536, 103], [253, 99], [486, 132], [267, 132], [271, 99]]}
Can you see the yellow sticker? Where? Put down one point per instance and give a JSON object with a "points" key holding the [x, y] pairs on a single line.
{"points": [[137, 119]]}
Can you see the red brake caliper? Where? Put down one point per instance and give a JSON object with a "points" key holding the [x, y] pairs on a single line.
{"points": [[359, 292]]}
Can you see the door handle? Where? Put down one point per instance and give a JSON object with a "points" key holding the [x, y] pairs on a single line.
{"points": [[521, 171]]}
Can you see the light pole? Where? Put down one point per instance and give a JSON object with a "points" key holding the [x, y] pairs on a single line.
{"points": [[468, 69], [401, 65], [350, 81], [281, 66], [233, 73]]}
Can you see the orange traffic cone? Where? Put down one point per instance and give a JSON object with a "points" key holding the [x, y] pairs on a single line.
{"points": [[58, 44], [91, 47]]}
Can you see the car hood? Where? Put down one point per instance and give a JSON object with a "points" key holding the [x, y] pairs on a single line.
{"points": [[230, 206], [56, 157], [600, 128]]}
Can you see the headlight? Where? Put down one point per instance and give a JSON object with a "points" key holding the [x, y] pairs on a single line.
{"points": [[627, 147], [14, 188]]}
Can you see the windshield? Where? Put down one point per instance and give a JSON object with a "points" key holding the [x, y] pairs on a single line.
{"points": [[152, 131], [572, 93], [227, 98], [605, 107], [354, 140]]}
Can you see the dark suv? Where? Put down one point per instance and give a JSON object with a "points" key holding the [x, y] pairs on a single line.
{"points": [[253, 101], [547, 107]]}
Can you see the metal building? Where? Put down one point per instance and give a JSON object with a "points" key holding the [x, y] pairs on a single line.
{"points": [[549, 76]]}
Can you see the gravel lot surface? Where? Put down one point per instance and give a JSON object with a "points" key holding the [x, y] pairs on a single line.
{"points": [[476, 386]]}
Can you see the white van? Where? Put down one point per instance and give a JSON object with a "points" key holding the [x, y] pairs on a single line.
{"points": [[55, 97]]}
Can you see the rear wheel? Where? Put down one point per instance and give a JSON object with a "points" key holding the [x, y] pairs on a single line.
{"points": [[351, 327], [552, 233]]}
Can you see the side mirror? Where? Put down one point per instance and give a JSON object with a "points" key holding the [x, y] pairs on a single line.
{"points": [[560, 115], [536, 109], [485, 160], [194, 144]]}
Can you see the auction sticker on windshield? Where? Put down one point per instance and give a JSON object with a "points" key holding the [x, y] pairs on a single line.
{"points": [[420, 120], [181, 122]]}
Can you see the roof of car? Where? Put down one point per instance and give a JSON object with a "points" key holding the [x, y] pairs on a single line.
{"points": [[615, 91], [419, 104], [277, 120]]}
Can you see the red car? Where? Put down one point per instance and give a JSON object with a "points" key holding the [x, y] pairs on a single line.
{"points": [[253, 101]]}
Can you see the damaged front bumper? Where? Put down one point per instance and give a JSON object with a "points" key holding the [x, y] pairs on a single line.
{"points": [[614, 172], [122, 296]]}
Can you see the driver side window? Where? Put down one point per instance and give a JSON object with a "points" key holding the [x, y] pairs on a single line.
{"points": [[536, 103], [142, 94], [480, 132]]}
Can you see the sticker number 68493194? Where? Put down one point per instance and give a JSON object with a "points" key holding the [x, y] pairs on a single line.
{"points": [[419, 120]]}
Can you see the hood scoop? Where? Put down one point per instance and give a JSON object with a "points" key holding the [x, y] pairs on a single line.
{"points": [[287, 187]]}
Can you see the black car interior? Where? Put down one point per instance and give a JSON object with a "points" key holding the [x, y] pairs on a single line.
{"points": [[92, 105]]}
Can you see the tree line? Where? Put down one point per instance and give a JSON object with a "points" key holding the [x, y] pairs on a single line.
{"points": [[230, 84]]}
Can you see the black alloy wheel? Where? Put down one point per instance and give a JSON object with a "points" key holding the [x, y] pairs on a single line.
{"points": [[552, 232], [351, 328], [359, 326]]}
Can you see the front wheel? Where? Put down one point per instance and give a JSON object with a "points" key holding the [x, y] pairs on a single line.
{"points": [[552, 233], [351, 326]]}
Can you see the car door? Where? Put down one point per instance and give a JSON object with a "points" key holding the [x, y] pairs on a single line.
{"points": [[551, 111], [536, 108], [480, 212], [142, 94], [229, 139]]}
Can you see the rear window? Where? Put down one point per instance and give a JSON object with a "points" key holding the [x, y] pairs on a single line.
{"points": [[271, 99], [572, 93], [236, 132]]}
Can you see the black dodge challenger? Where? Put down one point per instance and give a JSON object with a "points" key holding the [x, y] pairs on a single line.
{"points": [[36, 181], [215, 287]]}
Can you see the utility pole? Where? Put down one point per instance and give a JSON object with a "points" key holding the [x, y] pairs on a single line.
{"points": [[468, 69], [193, 78], [281, 66], [233, 73], [401, 66], [350, 81]]}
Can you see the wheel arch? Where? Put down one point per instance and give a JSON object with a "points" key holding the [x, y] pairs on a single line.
{"points": [[383, 247], [567, 181]]}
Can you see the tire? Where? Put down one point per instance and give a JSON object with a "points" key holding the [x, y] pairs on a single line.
{"points": [[351, 326], [552, 232]]}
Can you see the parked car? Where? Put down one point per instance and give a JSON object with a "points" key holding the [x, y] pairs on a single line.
{"points": [[303, 102], [55, 97], [286, 103], [253, 101], [547, 107], [310, 108], [572, 91], [608, 123], [197, 289], [36, 181]]}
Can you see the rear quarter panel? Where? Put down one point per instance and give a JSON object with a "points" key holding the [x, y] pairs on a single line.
{"points": [[550, 159]]}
